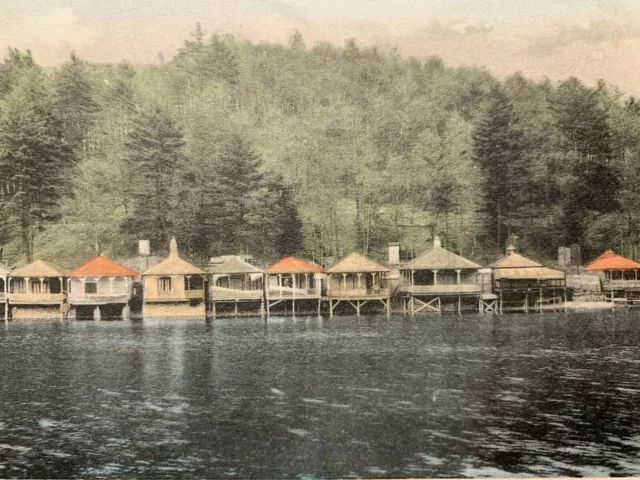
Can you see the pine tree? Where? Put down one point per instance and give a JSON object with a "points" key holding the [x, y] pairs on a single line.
{"points": [[231, 195], [497, 149], [153, 155], [35, 160], [74, 104], [583, 121]]}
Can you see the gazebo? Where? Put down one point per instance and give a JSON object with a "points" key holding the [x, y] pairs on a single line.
{"points": [[173, 288], [38, 291], [295, 280], [358, 280], [235, 281], [618, 275], [436, 276], [521, 282], [101, 287]]}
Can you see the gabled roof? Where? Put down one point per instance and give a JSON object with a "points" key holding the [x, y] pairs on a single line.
{"points": [[611, 261], [293, 265], [39, 268], [4, 270], [100, 266], [533, 273], [440, 259], [173, 264], [356, 263], [229, 264], [514, 260]]}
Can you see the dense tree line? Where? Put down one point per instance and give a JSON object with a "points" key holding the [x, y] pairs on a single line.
{"points": [[316, 151]]}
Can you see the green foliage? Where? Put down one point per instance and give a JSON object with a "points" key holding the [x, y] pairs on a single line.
{"points": [[318, 150], [35, 160]]}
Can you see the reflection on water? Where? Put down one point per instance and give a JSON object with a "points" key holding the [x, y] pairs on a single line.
{"points": [[515, 395]]}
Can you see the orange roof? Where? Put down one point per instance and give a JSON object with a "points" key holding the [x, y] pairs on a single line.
{"points": [[611, 261], [98, 266], [294, 265]]}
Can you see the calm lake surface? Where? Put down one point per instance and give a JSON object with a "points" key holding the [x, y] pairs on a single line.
{"points": [[513, 395]]}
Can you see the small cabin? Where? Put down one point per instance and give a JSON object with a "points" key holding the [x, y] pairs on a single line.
{"points": [[438, 276], [4, 291], [100, 288], [356, 279], [521, 283], [234, 281], [618, 275], [38, 290], [174, 288], [291, 280]]}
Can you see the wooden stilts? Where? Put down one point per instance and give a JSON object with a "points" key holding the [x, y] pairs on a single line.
{"points": [[500, 302], [439, 306], [213, 309], [388, 306], [293, 307], [526, 302], [6, 311], [358, 308], [331, 307], [459, 305], [235, 308], [319, 306]]}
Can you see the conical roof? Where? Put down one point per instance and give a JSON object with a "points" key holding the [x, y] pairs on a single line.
{"points": [[4, 270], [293, 265], [356, 263], [440, 259], [39, 268], [611, 261], [100, 266], [173, 264], [230, 264]]}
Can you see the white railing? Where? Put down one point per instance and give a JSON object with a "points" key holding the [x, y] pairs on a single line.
{"points": [[221, 293], [467, 288], [98, 298]]}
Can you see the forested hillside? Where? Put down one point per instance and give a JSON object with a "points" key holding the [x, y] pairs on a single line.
{"points": [[309, 150]]}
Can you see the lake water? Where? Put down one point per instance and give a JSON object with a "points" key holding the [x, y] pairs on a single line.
{"points": [[513, 395]]}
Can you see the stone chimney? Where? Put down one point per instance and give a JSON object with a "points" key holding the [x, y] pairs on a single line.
{"points": [[144, 249], [436, 242], [394, 253], [173, 248]]}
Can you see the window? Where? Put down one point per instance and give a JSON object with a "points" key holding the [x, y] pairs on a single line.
{"points": [[19, 285], [36, 287], [90, 287], [193, 282], [164, 284]]}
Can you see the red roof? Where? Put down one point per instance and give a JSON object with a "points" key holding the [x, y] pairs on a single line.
{"points": [[611, 261], [294, 265], [98, 266]]}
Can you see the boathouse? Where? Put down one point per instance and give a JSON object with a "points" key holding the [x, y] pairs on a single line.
{"points": [[618, 276], [235, 286], [521, 283], [173, 288], [100, 289], [38, 291], [355, 280], [4, 291], [439, 277], [293, 281]]}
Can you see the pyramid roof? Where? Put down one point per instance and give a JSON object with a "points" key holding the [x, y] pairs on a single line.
{"points": [[229, 264], [39, 268], [611, 261], [173, 264], [291, 264], [515, 260], [440, 259], [101, 266], [356, 263]]}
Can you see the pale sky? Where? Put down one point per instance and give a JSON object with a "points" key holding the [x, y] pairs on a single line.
{"points": [[590, 39]]}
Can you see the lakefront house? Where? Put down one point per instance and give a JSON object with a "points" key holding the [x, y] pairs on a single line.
{"points": [[174, 288]]}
